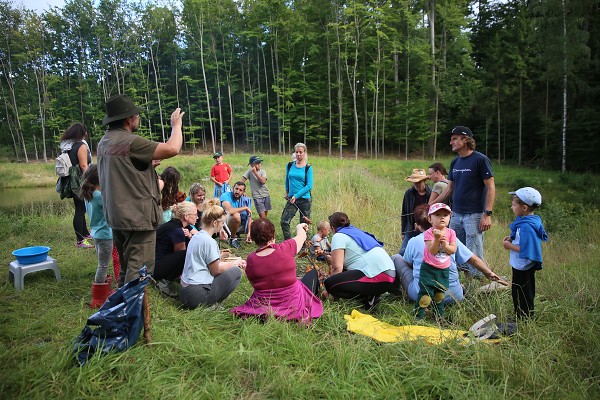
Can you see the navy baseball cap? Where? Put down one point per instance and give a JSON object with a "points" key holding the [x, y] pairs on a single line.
{"points": [[462, 130], [255, 160]]}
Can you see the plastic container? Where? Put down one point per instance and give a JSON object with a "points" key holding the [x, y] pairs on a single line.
{"points": [[31, 255]]}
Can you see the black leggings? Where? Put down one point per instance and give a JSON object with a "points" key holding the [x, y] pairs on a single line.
{"points": [[170, 267], [347, 285], [311, 281], [79, 225]]}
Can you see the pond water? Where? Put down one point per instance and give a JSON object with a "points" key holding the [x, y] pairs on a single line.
{"points": [[15, 198]]}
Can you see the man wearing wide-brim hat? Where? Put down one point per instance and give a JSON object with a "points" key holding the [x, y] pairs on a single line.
{"points": [[130, 192], [418, 193]]}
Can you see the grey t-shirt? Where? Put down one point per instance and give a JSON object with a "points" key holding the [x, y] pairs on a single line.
{"points": [[259, 191]]}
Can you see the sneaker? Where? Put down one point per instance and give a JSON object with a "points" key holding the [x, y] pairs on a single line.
{"points": [[233, 242], [85, 244], [164, 288], [371, 302]]}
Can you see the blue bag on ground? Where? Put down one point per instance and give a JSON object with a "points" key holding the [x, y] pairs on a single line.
{"points": [[116, 326]]}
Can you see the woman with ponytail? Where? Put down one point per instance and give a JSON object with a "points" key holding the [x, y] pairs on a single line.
{"points": [[206, 279]]}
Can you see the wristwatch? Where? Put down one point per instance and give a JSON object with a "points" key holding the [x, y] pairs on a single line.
{"points": [[488, 212]]}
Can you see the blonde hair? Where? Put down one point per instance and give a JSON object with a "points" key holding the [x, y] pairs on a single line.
{"points": [[195, 188], [300, 145], [323, 224], [211, 213], [184, 208]]}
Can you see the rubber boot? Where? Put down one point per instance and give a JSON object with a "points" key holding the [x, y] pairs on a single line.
{"points": [[100, 292], [116, 264]]}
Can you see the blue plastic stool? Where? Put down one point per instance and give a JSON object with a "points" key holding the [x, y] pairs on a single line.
{"points": [[18, 271]]}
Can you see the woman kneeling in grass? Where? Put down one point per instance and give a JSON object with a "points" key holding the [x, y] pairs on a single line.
{"points": [[206, 279], [271, 270], [361, 268]]}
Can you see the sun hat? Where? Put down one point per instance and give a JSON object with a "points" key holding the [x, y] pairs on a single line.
{"points": [[255, 160], [435, 207], [417, 175], [119, 107], [462, 130], [528, 195], [217, 154]]}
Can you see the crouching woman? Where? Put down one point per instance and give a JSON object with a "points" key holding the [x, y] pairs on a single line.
{"points": [[205, 278]]}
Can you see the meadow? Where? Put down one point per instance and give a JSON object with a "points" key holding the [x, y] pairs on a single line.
{"points": [[206, 354]]}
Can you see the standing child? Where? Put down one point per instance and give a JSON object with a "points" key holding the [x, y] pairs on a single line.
{"points": [[440, 244], [220, 174], [258, 185], [525, 245], [100, 232], [321, 248]]}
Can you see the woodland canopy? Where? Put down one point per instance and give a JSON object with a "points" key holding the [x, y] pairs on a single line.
{"points": [[353, 78]]}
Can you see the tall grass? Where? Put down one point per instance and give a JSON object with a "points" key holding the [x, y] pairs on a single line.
{"points": [[210, 354]]}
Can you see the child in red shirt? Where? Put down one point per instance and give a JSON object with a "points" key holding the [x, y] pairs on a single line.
{"points": [[220, 174]]}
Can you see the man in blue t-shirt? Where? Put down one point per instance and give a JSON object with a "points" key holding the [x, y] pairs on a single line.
{"points": [[471, 184], [239, 212]]}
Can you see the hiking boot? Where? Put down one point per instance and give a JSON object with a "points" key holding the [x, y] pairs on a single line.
{"points": [[164, 288], [371, 302], [233, 242]]}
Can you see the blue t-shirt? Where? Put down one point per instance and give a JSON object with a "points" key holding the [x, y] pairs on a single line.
{"points": [[201, 251], [95, 210], [294, 183], [468, 175], [243, 201]]}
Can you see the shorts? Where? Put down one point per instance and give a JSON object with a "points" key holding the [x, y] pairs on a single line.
{"points": [[263, 204]]}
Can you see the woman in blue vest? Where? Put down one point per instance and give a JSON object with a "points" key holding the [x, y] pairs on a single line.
{"points": [[298, 184], [360, 267]]}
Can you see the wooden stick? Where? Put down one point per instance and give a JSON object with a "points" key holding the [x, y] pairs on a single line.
{"points": [[503, 282], [146, 309]]}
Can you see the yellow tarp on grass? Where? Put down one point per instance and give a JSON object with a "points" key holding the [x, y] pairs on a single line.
{"points": [[370, 326]]}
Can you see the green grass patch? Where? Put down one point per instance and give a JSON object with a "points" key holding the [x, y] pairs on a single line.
{"points": [[210, 354]]}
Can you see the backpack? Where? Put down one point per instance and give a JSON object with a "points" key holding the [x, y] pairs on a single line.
{"points": [[63, 164], [306, 168]]}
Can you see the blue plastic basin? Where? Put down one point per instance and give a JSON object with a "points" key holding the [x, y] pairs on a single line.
{"points": [[31, 255]]}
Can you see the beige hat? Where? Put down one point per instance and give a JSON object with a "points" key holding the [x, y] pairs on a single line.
{"points": [[417, 175]]}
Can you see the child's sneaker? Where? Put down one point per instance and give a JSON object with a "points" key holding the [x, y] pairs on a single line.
{"points": [[85, 244], [233, 242]]}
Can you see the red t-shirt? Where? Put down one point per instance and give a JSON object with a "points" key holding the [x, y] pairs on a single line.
{"points": [[274, 271], [221, 172]]}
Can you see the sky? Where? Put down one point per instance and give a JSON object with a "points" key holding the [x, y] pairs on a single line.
{"points": [[39, 5]]}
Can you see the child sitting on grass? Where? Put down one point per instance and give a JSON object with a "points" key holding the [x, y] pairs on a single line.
{"points": [[440, 244], [321, 248], [525, 246]]}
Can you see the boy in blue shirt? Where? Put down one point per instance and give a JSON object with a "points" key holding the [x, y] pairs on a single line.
{"points": [[525, 246]]}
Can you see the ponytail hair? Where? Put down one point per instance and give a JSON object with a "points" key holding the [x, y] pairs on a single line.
{"points": [[211, 214], [184, 208], [89, 182]]}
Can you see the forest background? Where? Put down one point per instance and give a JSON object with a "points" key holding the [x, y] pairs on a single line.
{"points": [[350, 78]]}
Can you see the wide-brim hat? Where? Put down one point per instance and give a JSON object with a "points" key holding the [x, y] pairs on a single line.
{"points": [[119, 107], [417, 175]]}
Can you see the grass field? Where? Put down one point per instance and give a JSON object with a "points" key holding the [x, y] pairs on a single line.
{"points": [[210, 354]]}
